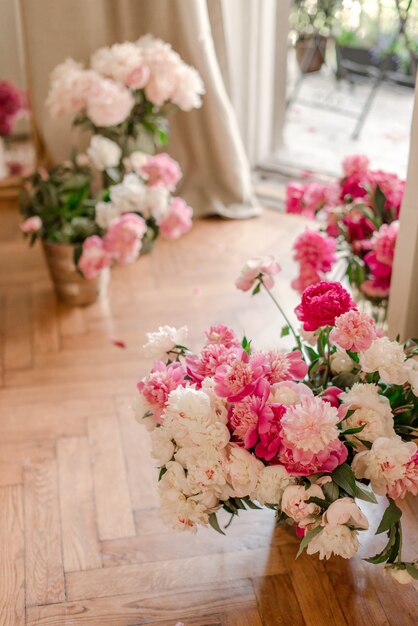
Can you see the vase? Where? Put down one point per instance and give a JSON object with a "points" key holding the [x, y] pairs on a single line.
{"points": [[310, 53], [70, 286]]}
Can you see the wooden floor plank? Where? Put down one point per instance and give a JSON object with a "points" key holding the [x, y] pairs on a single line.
{"points": [[45, 327], [43, 555], [166, 574], [113, 503], [137, 444], [145, 607], [12, 576], [277, 602], [80, 544], [242, 617], [17, 351]]}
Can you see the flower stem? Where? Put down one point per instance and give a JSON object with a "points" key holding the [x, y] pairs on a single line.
{"points": [[297, 339], [400, 543]]}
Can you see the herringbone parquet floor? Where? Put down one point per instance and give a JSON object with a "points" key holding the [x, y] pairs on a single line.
{"points": [[80, 537]]}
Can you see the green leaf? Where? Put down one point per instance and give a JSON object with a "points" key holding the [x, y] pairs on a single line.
{"points": [[343, 476], [250, 503], [237, 503], [285, 331], [390, 518], [412, 569], [319, 501], [256, 289], [383, 556], [331, 491], [307, 538], [213, 521], [246, 345], [353, 431], [363, 493], [313, 355], [162, 472]]}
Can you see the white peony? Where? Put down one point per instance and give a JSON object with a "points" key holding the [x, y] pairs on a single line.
{"points": [[288, 392], [243, 471], [386, 357], [366, 395], [412, 372], [341, 362], [141, 407], [135, 161], [295, 503], [174, 481], [272, 482], [117, 61], [162, 445], [105, 213], [183, 513], [338, 540], [156, 202], [384, 463], [376, 424], [189, 88], [103, 152], [189, 414], [128, 196], [70, 86], [165, 339], [205, 468], [219, 405], [345, 511]]}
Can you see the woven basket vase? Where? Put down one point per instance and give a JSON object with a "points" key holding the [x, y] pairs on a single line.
{"points": [[69, 284]]}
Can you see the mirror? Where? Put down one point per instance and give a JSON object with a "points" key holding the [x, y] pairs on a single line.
{"points": [[17, 148]]}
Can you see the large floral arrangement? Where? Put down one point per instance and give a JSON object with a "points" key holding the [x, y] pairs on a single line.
{"points": [[114, 226], [305, 433], [127, 92], [359, 219]]}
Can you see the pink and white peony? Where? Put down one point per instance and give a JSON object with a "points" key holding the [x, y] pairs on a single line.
{"points": [[243, 470], [272, 482], [386, 357], [103, 152], [94, 257], [163, 341], [339, 540], [123, 239], [296, 506], [257, 267]]}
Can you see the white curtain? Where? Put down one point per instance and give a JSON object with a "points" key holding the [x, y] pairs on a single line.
{"points": [[206, 142]]}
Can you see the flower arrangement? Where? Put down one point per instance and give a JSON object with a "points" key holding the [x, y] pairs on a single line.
{"points": [[128, 91], [12, 105], [359, 216], [305, 432], [59, 206]]}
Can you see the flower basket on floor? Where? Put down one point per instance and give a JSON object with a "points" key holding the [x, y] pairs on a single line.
{"points": [[358, 218], [307, 433], [70, 285]]}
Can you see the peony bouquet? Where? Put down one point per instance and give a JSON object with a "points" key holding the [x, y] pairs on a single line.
{"points": [[307, 432], [359, 217], [115, 226], [127, 93], [13, 104]]}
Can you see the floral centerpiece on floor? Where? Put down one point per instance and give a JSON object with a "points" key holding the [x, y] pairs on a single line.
{"points": [[127, 93], [305, 433], [115, 226], [359, 219]]}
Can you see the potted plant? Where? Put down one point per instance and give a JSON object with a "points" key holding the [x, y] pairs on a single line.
{"points": [[312, 21]]}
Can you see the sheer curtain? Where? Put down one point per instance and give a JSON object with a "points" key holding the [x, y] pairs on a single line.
{"points": [[206, 142]]}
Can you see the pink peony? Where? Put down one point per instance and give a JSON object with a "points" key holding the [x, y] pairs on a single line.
{"points": [[178, 221], [294, 196], [384, 241], [123, 239], [358, 226], [331, 395], [31, 224], [239, 378], [200, 366], [269, 431], [305, 465], [108, 103], [70, 86], [308, 276], [94, 257], [375, 288], [261, 267], [392, 187], [161, 381], [284, 366], [12, 101], [354, 186], [189, 88], [355, 164], [315, 250], [379, 283], [322, 303], [354, 331], [161, 169], [408, 483], [222, 335], [244, 416], [138, 76]]}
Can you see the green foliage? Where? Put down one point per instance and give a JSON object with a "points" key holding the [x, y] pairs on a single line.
{"points": [[61, 198], [213, 521]]}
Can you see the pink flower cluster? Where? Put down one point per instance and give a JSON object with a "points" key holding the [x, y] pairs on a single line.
{"points": [[309, 198], [361, 217], [161, 170], [122, 243], [315, 254], [105, 91], [12, 104], [177, 221]]}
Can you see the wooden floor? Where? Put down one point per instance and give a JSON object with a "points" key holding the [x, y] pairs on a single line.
{"points": [[80, 537]]}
